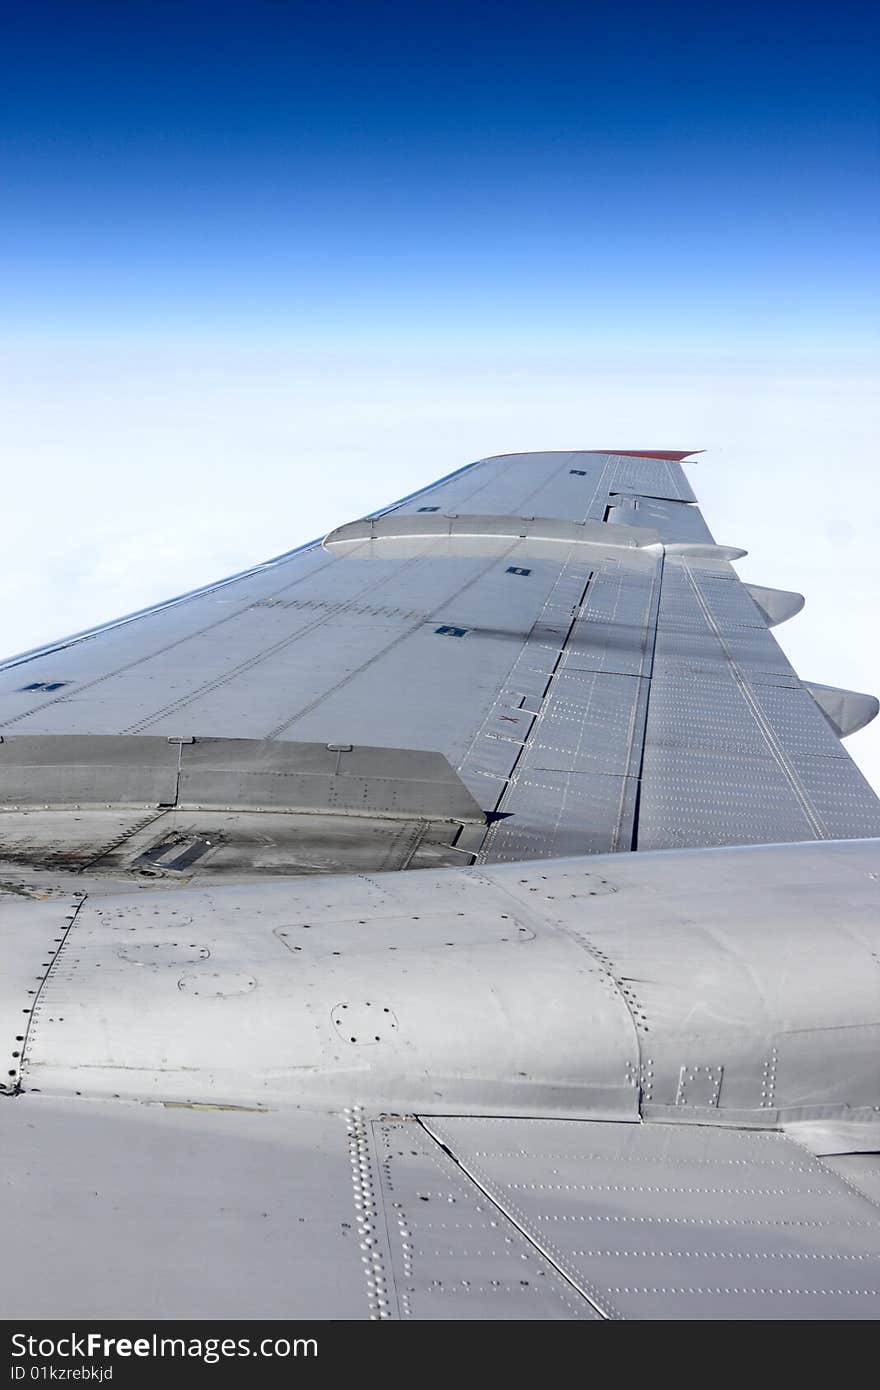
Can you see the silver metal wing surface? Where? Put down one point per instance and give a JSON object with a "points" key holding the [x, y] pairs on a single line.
{"points": [[561, 628], [622, 1086], [255, 1071]]}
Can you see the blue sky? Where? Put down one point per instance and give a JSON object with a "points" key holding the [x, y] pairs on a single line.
{"points": [[290, 170], [265, 267]]}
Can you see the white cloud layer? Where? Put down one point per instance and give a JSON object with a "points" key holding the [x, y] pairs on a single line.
{"points": [[135, 475]]}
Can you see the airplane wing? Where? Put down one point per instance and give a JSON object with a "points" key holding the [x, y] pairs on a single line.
{"points": [[254, 1070], [560, 627]]}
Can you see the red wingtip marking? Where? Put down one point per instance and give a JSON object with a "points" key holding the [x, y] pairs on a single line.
{"points": [[674, 455]]}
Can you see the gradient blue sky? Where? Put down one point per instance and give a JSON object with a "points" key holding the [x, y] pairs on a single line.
{"points": [[288, 169], [266, 266]]}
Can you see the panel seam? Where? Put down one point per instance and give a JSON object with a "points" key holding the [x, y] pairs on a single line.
{"points": [[586, 1292], [30, 1028]]}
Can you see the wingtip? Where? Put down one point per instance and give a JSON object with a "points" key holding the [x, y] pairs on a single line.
{"points": [[669, 455]]}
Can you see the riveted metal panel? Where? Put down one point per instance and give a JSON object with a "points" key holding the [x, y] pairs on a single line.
{"points": [[592, 724], [846, 803], [573, 782], [694, 711], [557, 813], [674, 521], [734, 750], [700, 653], [490, 1010], [720, 712], [616, 629], [651, 477], [756, 966], [415, 932], [791, 716], [451, 1253], [730, 605], [658, 1221], [33, 934], [693, 797], [707, 620]]}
